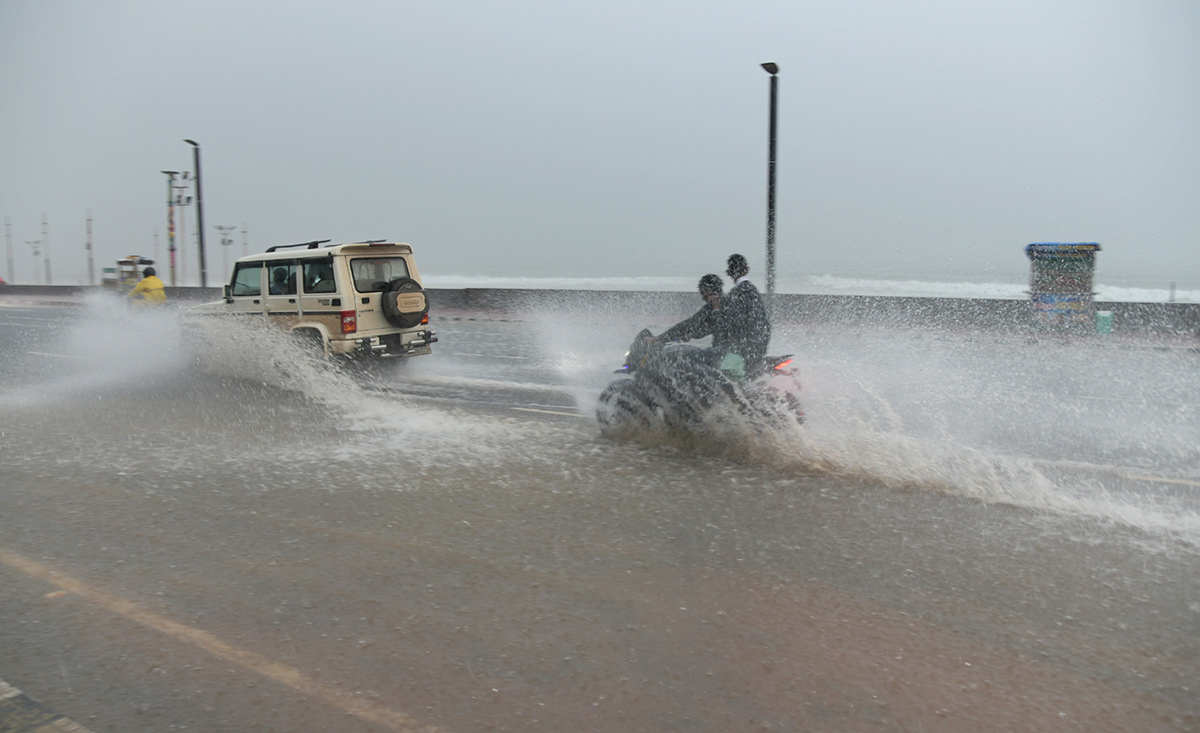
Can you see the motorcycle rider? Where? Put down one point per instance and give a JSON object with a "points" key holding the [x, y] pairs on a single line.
{"points": [[149, 290], [749, 324], [704, 322], [714, 318]]}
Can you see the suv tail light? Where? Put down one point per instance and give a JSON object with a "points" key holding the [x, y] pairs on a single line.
{"points": [[349, 321], [425, 320]]}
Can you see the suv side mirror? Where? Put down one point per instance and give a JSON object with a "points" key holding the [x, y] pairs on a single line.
{"points": [[226, 294]]}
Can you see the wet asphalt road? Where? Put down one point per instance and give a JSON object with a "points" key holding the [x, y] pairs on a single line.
{"points": [[454, 547]]}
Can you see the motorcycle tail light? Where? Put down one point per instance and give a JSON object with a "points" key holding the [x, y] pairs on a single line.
{"points": [[783, 364], [349, 322]]}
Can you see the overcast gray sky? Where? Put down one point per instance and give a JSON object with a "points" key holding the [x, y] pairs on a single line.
{"points": [[917, 139]]}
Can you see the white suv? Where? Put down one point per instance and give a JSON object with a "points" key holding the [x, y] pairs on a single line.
{"points": [[356, 300]]}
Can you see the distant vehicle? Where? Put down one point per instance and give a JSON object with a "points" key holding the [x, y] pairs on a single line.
{"points": [[356, 301], [2, 282], [126, 274]]}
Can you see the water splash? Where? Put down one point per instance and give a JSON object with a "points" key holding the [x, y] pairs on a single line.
{"points": [[111, 343]]}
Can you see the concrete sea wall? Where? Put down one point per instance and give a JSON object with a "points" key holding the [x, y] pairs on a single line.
{"points": [[960, 314]]}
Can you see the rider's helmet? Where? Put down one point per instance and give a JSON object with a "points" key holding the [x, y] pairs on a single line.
{"points": [[737, 266], [148, 272], [710, 284]]}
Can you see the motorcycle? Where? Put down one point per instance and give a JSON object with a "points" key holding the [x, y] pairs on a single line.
{"points": [[683, 387]]}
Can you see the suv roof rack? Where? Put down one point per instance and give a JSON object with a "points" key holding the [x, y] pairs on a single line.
{"points": [[309, 245]]}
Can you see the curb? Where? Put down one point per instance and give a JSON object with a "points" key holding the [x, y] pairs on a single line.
{"points": [[20, 713]]}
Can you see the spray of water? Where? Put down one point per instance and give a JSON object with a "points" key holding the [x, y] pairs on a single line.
{"points": [[1032, 424], [998, 423], [111, 343], [368, 401]]}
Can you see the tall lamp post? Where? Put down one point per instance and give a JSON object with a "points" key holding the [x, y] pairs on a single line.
{"points": [[773, 70], [12, 277], [181, 200], [199, 212], [36, 246], [46, 247], [226, 240], [171, 221], [88, 246]]}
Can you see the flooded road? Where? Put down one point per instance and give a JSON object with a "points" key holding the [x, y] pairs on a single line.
{"points": [[970, 533]]}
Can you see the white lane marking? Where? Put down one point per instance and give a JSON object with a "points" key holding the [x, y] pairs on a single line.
{"points": [[1119, 472], [57, 356], [357, 706], [1137, 401], [1158, 479], [490, 356], [549, 412], [11, 320]]}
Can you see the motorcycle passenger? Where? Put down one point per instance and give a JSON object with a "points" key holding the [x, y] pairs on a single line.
{"points": [[149, 290], [749, 323]]}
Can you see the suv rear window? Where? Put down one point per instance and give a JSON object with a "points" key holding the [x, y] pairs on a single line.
{"points": [[372, 273]]}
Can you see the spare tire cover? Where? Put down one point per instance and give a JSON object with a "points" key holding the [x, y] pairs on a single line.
{"points": [[404, 302]]}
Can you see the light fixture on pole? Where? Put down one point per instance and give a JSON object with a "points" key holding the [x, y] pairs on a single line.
{"points": [[773, 70], [199, 212]]}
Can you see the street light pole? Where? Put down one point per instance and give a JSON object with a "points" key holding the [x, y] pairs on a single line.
{"points": [[773, 70], [226, 240], [35, 245], [199, 212], [180, 202], [91, 259], [171, 221], [12, 273], [46, 247]]}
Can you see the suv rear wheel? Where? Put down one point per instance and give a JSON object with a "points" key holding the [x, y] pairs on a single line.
{"points": [[311, 341]]}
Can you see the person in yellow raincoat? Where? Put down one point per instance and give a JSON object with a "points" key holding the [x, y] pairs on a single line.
{"points": [[149, 290]]}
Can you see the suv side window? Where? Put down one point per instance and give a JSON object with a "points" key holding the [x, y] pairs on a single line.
{"points": [[318, 276], [371, 274], [283, 278], [247, 279]]}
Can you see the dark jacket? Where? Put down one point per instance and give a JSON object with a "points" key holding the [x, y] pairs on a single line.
{"points": [[704, 322], [749, 324]]}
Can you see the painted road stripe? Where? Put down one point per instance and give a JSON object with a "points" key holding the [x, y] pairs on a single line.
{"points": [[1158, 479], [549, 412], [355, 705], [1119, 472], [57, 356], [20, 713]]}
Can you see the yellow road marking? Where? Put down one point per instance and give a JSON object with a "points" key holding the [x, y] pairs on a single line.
{"points": [[360, 707], [549, 412]]}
